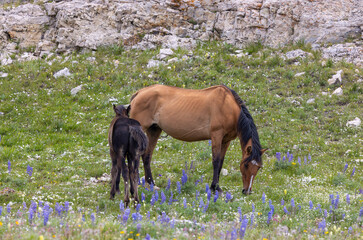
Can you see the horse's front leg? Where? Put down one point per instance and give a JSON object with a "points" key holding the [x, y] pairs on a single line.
{"points": [[217, 159], [153, 134]]}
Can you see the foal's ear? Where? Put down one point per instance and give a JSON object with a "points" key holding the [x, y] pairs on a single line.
{"points": [[114, 108], [263, 150], [128, 110], [249, 150]]}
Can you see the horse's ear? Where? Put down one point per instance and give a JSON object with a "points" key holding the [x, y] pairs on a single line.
{"points": [[249, 150], [263, 150]]}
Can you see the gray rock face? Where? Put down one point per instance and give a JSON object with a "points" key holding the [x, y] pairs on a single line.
{"points": [[72, 24]]}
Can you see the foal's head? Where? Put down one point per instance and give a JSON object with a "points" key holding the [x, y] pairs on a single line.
{"points": [[121, 110], [250, 164]]}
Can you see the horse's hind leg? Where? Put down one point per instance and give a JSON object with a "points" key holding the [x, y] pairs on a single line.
{"points": [[125, 176], [153, 134], [133, 163]]}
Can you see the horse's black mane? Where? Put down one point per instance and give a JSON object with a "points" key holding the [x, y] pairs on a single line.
{"points": [[248, 130]]}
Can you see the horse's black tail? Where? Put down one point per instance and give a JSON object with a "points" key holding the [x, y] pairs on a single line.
{"points": [[139, 136]]}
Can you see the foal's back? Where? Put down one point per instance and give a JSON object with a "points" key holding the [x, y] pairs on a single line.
{"points": [[123, 131]]}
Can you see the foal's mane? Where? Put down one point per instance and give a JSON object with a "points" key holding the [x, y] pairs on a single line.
{"points": [[247, 129]]}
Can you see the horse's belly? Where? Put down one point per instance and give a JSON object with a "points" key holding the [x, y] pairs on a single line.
{"points": [[186, 130]]}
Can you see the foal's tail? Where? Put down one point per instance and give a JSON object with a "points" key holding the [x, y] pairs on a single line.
{"points": [[139, 136], [110, 132]]}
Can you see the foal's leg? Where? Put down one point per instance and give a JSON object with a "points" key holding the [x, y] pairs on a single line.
{"points": [[217, 157], [114, 173], [125, 176], [133, 163], [153, 134]]}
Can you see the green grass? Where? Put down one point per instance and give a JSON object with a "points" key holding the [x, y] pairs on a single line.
{"points": [[64, 139]]}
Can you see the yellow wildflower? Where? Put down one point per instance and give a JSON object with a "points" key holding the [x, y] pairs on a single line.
{"points": [[131, 232], [41, 237], [137, 234], [293, 163], [1, 224], [122, 232], [285, 191], [17, 223]]}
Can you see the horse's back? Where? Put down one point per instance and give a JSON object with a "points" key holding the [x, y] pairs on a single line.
{"points": [[185, 114]]}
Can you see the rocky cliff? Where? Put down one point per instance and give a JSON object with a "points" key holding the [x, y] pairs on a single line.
{"points": [[73, 24]]}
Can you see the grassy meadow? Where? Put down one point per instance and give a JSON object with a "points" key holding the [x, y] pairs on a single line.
{"points": [[54, 152]]}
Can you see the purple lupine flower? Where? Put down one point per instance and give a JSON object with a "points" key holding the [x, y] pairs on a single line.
{"points": [[285, 210], [206, 187], [148, 215], [216, 196], [29, 170], [353, 172], [210, 142], [147, 237], [278, 156], [184, 178], [9, 166], [46, 212], [134, 217], [331, 196], [361, 212], [243, 227], [283, 158], [271, 207], [350, 230], [178, 187], [269, 216], [83, 218], [311, 205], [1, 210], [336, 202], [345, 167], [156, 194], [152, 187], [318, 207], [168, 186], [309, 157], [263, 197], [209, 194], [228, 197], [191, 165], [24, 206], [125, 217], [31, 214], [253, 207], [348, 199], [252, 219], [171, 198], [343, 216], [240, 214], [93, 218], [122, 206], [291, 157], [305, 161], [58, 208], [299, 161], [138, 206], [163, 197], [185, 203], [206, 207], [142, 197], [282, 202], [325, 213], [138, 227], [288, 155], [202, 228], [196, 195], [8, 208], [322, 225], [153, 200], [292, 203], [201, 203], [66, 206], [234, 234]]}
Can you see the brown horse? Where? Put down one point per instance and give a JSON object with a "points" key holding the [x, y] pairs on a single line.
{"points": [[126, 140], [215, 113]]}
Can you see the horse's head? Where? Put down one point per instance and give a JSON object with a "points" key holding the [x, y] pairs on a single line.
{"points": [[121, 110], [250, 164]]}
